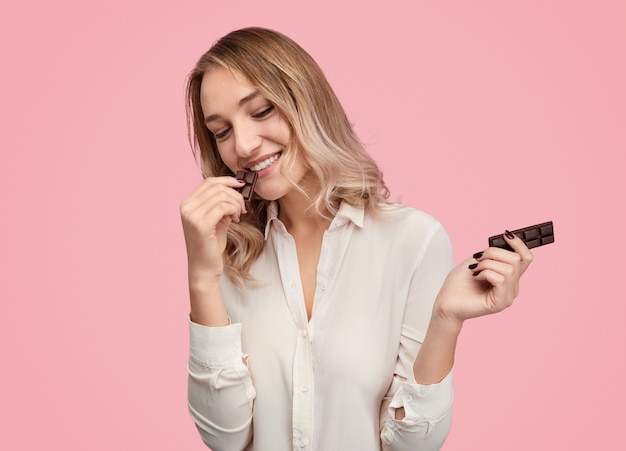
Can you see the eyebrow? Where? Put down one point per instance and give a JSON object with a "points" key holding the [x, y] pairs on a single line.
{"points": [[242, 102]]}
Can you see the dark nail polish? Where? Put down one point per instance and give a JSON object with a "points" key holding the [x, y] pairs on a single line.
{"points": [[509, 235], [475, 273], [477, 255], [473, 266]]}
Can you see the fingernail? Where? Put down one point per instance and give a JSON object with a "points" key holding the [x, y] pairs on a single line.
{"points": [[475, 273], [477, 255], [509, 235], [473, 266]]}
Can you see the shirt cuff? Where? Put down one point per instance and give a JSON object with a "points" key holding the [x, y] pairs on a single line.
{"points": [[425, 401], [215, 347]]}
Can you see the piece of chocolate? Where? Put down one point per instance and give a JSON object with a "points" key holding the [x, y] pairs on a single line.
{"points": [[250, 178], [533, 236]]}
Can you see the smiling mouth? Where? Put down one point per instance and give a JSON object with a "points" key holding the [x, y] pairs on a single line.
{"points": [[265, 163]]}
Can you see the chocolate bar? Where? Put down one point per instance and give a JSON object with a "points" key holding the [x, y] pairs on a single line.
{"points": [[533, 236], [250, 178]]}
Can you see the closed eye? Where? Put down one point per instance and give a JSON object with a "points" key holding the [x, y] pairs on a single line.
{"points": [[263, 112], [222, 134]]}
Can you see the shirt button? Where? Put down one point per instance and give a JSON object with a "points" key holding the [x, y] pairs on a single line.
{"points": [[302, 443], [304, 387], [323, 286], [303, 333], [408, 398], [237, 344]]}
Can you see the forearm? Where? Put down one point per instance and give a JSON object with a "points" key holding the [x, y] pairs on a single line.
{"points": [[435, 358], [207, 304], [436, 355]]}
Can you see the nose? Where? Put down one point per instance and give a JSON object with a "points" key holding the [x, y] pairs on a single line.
{"points": [[247, 140]]}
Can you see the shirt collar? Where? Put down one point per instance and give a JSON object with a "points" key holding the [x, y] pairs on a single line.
{"points": [[345, 214], [349, 212], [272, 215]]}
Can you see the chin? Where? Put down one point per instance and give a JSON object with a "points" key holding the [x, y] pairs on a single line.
{"points": [[274, 192], [269, 196]]}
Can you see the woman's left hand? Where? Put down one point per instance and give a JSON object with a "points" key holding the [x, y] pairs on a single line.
{"points": [[486, 283]]}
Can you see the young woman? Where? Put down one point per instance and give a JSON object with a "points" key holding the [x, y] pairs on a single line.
{"points": [[322, 315]]}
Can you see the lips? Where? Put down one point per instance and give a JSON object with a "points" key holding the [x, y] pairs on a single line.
{"points": [[264, 163]]}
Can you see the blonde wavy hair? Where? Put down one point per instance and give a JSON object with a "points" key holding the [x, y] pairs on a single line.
{"points": [[291, 80]]}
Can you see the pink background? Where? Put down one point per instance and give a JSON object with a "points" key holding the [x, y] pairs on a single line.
{"points": [[485, 114]]}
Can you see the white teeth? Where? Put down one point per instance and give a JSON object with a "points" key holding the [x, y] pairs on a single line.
{"points": [[265, 163]]}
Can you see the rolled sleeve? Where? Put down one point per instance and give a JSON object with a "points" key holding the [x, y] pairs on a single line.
{"points": [[425, 401], [215, 347], [428, 416], [220, 391]]}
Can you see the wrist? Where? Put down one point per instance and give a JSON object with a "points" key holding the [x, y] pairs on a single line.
{"points": [[445, 321], [204, 287], [207, 305], [200, 278]]}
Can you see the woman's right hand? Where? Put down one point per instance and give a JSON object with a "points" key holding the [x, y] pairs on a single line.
{"points": [[206, 215]]}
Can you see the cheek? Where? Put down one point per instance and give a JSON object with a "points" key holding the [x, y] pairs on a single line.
{"points": [[279, 129], [227, 157]]}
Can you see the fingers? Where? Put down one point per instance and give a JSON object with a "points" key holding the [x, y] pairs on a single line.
{"points": [[212, 200], [519, 247], [520, 254], [502, 269], [211, 185], [485, 283], [506, 269], [502, 290], [206, 217]]}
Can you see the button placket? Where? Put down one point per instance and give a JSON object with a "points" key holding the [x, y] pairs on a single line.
{"points": [[302, 413]]}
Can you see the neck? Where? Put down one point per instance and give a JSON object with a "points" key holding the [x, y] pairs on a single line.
{"points": [[298, 217]]}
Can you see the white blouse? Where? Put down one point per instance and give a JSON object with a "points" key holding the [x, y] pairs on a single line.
{"points": [[274, 381]]}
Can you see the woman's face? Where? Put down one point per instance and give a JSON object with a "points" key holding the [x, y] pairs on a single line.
{"points": [[250, 133]]}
